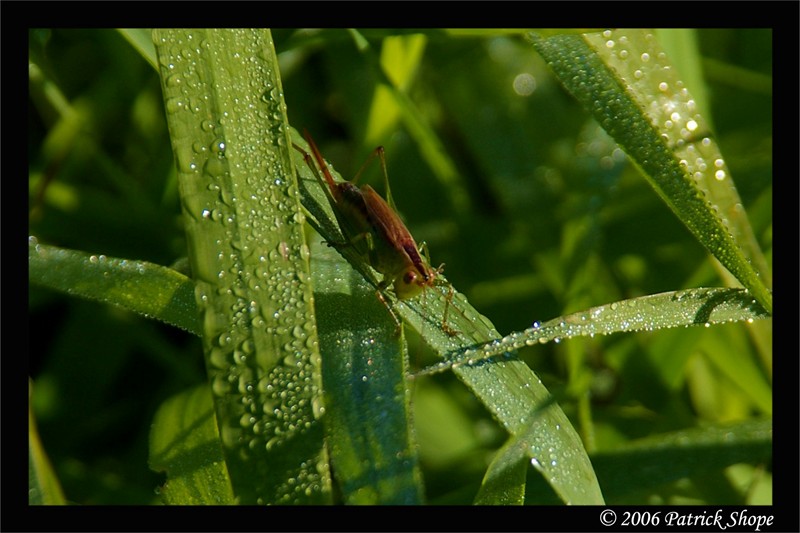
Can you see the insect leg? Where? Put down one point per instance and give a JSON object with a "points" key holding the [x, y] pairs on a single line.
{"points": [[382, 286], [423, 250], [379, 151], [376, 152], [447, 329], [310, 162]]}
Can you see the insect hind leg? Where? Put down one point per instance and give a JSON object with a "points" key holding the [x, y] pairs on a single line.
{"points": [[382, 286]]}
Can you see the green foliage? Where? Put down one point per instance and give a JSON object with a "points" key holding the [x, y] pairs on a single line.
{"points": [[511, 183]]}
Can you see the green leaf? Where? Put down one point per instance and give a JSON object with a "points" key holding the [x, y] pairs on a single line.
{"points": [[141, 39], [625, 81], [364, 368], [151, 290], [691, 307], [660, 459], [184, 443], [43, 485], [504, 483], [227, 123]]}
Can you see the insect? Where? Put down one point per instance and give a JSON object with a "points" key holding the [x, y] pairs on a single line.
{"points": [[374, 229]]}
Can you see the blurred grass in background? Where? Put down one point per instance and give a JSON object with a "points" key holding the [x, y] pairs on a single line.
{"points": [[528, 204]]}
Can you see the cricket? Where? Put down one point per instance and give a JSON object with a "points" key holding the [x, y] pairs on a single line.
{"points": [[374, 229]]}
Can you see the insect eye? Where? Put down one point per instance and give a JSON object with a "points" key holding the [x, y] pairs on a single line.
{"points": [[408, 284]]}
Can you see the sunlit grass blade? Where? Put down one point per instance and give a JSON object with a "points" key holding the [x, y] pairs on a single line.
{"points": [[43, 485], [692, 307], [626, 82], [227, 123], [151, 290], [184, 444]]}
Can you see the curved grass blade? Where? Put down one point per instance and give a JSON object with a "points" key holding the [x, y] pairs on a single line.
{"points": [[145, 288], [184, 443], [691, 307], [636, 96], [545, 452], [43, 485]]}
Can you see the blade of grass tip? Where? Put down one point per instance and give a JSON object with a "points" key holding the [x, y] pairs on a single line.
{"points": [[651, 115], [151, 290], [691, 307], [229, 132]]}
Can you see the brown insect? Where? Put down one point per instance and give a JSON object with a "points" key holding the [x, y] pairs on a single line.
{"points": [[374, 229]]}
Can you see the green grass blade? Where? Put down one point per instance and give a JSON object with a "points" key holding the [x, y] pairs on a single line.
{"points": [[639, 100], [367, 412], [549, 452], [151, 290], [364, 367], [693, 307], [141, 39], [43, 485], [184, 443], [660, 459], [227, 124], [504, 483]]}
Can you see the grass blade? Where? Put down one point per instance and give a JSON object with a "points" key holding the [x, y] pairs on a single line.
{"points": [[639, 100], [43, 485], [248, 254], [657, 311], [364, 368], [184, 443], [151, 290]]}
